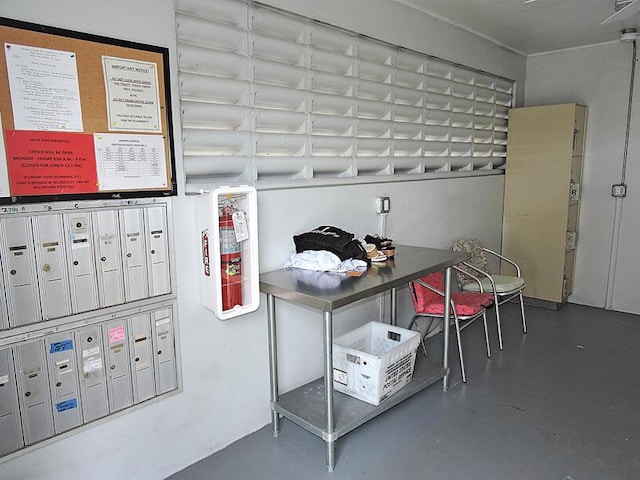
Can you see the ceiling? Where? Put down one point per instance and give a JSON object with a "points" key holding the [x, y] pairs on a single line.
{"points": [[532, 27]]}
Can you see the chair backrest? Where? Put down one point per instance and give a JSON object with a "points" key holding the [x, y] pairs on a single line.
{"points": [[478, 258], [421, 295]]}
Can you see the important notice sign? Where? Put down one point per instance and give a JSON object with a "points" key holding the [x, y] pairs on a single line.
{"points": [[50, 163], [133, 99]]}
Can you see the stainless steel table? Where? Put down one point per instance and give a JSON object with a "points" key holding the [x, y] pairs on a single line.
{"points": [[313, 406]]}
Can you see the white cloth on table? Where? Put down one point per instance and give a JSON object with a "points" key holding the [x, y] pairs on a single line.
{"points": [[323, 261]]}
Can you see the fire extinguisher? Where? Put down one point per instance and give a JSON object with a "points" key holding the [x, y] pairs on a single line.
{"points": [[230, 261]]}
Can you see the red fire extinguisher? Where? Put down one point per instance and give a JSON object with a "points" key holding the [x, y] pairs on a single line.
{"points": [[230, 261]]}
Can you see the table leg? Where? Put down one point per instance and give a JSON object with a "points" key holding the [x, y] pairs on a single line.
{"points": [[394, 307], [445, 328], [328, 387], [273, 362]]}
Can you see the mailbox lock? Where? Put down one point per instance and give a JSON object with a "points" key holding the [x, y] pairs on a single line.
{"points": [[159, 352], [89, 339], [137, 359], [103, 259], [75, 263], [27, 394], [59, 384], [13, 272], [113, 367], [153, 252], [46, 267], [79, 224], [128, 255]]}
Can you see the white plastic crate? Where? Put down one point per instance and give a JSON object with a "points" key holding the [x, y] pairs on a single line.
{"points": [[374, 361]]}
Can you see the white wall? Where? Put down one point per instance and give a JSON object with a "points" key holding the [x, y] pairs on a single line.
{"points": [[225, 364], [598, 77]]}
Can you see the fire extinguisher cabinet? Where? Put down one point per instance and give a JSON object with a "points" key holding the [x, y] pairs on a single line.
{"points": [[229, 273]]}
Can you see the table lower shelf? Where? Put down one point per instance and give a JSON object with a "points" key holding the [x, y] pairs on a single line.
{"points": [[306, 405]]}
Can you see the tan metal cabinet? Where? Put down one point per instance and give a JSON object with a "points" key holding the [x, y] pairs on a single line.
{"points": [[542, 195]]}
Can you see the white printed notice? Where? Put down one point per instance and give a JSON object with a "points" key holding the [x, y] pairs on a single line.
{"points": [[44, 88], [4, 174], [133, 101], [130, 162]]}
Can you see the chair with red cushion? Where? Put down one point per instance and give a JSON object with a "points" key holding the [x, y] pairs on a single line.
{"points": [[428, 298]]}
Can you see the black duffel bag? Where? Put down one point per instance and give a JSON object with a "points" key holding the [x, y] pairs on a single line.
{"points": [[331, 239]]}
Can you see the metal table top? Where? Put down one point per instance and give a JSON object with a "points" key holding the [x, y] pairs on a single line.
{"points": [[329, 291]]}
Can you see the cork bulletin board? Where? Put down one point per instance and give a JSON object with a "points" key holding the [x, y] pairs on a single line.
{"points": [[82, 116]]}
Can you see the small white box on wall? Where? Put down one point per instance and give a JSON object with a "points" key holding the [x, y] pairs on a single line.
{"points": [[229, 274], [574, 191]]}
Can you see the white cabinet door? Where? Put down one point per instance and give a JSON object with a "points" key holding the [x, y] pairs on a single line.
{"points": [[108, 257], [51, 263], [82, 270], [157, 250], [134, 251], [19, 270]]}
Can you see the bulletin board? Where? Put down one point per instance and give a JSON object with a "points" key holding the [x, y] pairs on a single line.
{"points": [[82, 116]]}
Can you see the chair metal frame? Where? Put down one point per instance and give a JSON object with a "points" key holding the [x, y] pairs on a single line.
{"points": [[500, 298], [468, 319]]}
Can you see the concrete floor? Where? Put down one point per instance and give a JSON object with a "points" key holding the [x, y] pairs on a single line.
{"points": [[562, 402]]}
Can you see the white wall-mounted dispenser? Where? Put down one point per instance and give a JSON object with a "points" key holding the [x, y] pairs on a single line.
{"points": [[228, 219]]}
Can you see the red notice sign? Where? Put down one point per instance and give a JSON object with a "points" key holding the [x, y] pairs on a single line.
{"points": [[50, 163]]}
